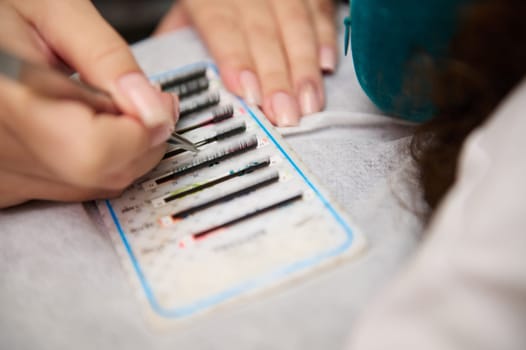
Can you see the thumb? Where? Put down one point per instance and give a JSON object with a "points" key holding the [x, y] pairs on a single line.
{"points": [[82, 38]]}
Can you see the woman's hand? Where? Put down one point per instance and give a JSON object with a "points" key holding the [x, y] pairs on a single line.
{"points": [[272, 52], [64, 150]]}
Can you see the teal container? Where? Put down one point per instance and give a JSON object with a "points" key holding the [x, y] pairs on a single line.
{"points": [[395, 46]]}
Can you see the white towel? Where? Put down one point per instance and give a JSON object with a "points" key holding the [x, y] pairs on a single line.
{"points": [[61, 285]]}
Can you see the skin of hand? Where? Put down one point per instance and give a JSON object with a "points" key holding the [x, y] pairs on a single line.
{"points": [[63, 150], [271, 52]]}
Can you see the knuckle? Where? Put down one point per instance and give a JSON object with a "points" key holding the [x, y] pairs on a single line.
{"points": [[303, 54], [295, 12], [234, 58], [262, 32], [114, 52], [217, 18], [275, 80]]}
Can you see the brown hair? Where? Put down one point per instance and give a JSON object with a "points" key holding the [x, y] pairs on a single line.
{"points": [[487, 59]]}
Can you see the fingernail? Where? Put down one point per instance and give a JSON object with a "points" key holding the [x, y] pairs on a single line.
{"points": [[285, 109], [161, 134], [309, 101], [177, 107], [145, 98], [327, 59], [250, 86], [157, 86]]}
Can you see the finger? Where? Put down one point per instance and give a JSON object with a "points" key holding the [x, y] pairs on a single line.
{"points": [[79, 147], [218, 23], [15, 157], [176, 18], [323, 14], [171, 101], [266, 47], [16, 189], [79, 35], [299, 39], [28, 43], [124, 177]]}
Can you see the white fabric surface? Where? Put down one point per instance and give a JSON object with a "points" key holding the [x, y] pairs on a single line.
{"points": [[61, 285], [466, 288]]}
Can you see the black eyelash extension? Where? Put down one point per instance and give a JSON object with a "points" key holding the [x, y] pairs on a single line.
{"points": [[199, 103], [219, 114], [191, 87], [247, 169], [256, 212], [252, 186], [237, 147], [182, 77]]}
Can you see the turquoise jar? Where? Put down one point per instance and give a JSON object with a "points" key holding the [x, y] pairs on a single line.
{"points": [[395, 46]]}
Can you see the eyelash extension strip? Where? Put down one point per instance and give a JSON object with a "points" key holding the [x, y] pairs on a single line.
{"points": [[180, 78], [220, 114], [251, 214], [237, 147], [226, 132], [252, 186], [191, 87], [186, 191], [199, 103]]}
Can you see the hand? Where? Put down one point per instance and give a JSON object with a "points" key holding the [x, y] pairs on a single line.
{"points": [[271, 52], [63, 150]]}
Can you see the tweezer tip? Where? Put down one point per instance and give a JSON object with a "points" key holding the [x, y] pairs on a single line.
{"points": [[187, 145]]}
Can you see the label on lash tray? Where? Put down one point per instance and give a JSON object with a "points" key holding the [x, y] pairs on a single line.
{"points": [[239, 217]]}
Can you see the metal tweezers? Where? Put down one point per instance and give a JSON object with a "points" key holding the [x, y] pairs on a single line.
{"points": [[56, 84]]}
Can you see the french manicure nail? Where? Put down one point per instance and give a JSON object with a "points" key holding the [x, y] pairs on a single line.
{"points": [[327, 59], [177, 106], [309, 101], [161, 134], [145, 98], [250, 86], [157, 86], [285, 109]]}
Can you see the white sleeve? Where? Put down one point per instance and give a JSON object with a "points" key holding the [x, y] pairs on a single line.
{"points": [[466, 288]]}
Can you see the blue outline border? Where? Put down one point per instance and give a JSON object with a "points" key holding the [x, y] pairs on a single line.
{"points": [[250, 284]]}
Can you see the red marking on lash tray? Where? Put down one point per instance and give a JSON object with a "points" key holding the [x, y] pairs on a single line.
{"points": [[200, 237], [167, 221]]}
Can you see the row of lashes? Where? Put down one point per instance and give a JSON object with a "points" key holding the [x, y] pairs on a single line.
{"points": [[201, 107]]}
